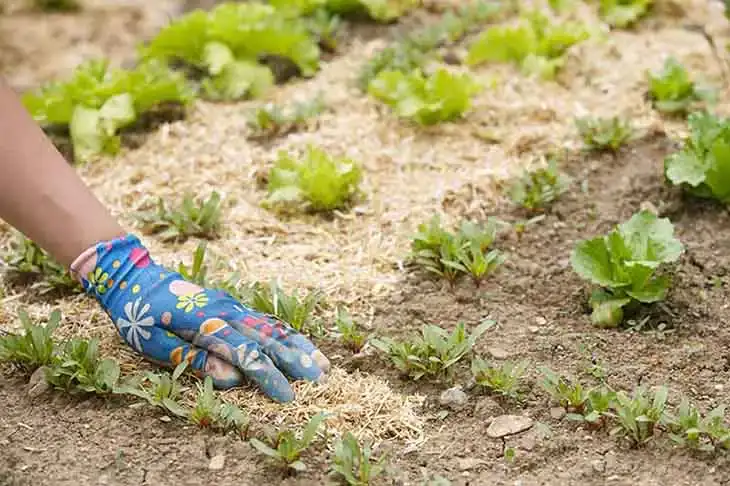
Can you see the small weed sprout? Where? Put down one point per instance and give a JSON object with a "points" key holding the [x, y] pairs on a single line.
{"points": [[27, 259], [567, 393], [354, 464], [271, 120], [688, 428], [638, 415], [504, 379], [434, 353], [315, 182], [604, 133], [623, 13], [287, 448], [200, 219], [34, 347], [350, 334], [673, 91], [538, 188], [160, 390], [291, 308], [210, 412], [197, 272], [79, 367]]}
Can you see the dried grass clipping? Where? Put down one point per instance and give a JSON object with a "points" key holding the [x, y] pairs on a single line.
{"points": [[360, 403]]}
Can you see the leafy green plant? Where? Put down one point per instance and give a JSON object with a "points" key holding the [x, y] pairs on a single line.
{"points": [[567, 393], [639, 414], [604, 133], [272, 120], [520, 226], [597, 407], [26, 259], [673, 91], [623, 263], [287, 448], [35, 346], [537, 44], [702, 166], [449, 255], [354, 464], [197, 272], [227, 42], [79, 367], [623, 13], [434, 353], [161, 390], [98, 101], [201, 219], [316, 182], [211, 412], [380, 10], [427, 100], [350, 334], [537, 188], [689, 428], [504, 379], [290, 308]]}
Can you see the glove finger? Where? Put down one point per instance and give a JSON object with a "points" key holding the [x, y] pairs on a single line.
{"points": [[220, 338], [169, 350]]}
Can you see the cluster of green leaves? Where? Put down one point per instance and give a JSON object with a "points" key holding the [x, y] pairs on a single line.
{"points": [[427, 100], [538, 188], [537, 43], [228, 42], [78, 367], [623, 263], [449, 255], [350, 334], [210, 412], [162, 390], [98, 101], [702, 166], [604, 133], [417, 48], [434, 353], [272, 120], [201, 219], [26, 259], [582, 404], [33, 348], [673, 91], [291, 308], [315, 182], [623, 13], [505, 379], [689, 428], [380, 10], [286, 449], [354, 463], [639, 414], [197, 271]]}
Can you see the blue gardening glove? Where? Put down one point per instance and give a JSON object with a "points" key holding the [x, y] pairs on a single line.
{"points": [[168, 319]]}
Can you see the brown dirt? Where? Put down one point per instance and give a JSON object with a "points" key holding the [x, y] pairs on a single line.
{"points": [[538, 302]]}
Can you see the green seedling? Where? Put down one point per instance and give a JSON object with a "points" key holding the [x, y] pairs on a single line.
{"points": [[287, 448], [434, 353], [210, 412], [272, 120], [538, 188], [34, 347], [316, 182], [702, 166], [354, 464], [375, 9], [639, 415], [673, 91], [604, 133], [623, 263], [200, 219], [197, 272], [567, 393], [688, 428], [350, 334], [291, 308], [623, 13], [504, 379], [521, 226], [161, 390], [597, 407], [26, 258], [79, 367]]}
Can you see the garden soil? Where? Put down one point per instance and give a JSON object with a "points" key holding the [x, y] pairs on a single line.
{"points": [[359, 259]]}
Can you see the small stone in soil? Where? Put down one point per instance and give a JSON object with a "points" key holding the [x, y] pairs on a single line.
{"points": [[467, 463], [37, 384], [487, 407], [557, 413], [498, 353], [217, 462], [453, 398], [505, 425]]}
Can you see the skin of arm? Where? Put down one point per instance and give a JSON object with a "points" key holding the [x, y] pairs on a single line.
{"points": [[40, 193]]}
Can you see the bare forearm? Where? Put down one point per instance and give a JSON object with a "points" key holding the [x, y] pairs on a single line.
{"points": [[40, 194]]}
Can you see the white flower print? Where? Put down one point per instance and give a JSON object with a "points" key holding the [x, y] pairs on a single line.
{"points": [[136, 323]]}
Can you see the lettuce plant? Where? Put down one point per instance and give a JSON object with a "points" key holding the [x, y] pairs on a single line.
{"points": [[624, 262], [427, 100], [672, 90], [98, 101], [623, 13], [702, 166]]}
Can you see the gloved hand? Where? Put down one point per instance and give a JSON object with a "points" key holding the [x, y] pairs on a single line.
{"points": [[168, 319]]}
